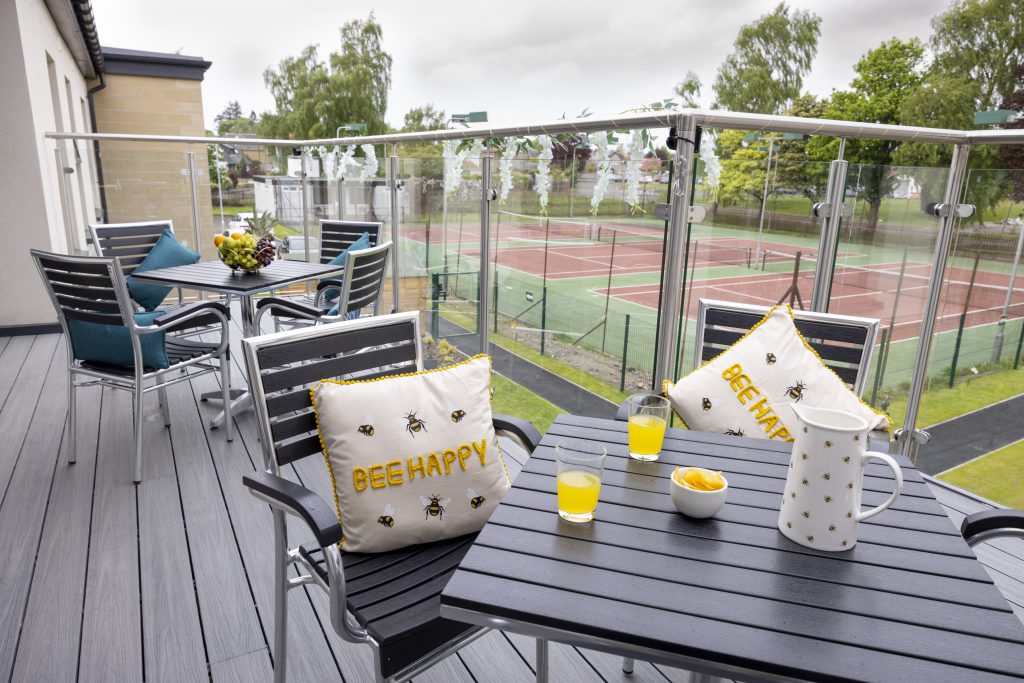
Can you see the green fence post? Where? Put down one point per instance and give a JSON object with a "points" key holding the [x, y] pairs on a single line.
{"points": [[880, 368], [1020, 343], [543, 317], [435, 295], [495, 307], [625, 350]]}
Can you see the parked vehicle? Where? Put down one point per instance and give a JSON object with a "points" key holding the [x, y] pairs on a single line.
{"points": [[293, 248], [240, 221]]}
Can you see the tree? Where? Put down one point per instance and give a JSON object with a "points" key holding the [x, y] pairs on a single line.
{"points": [[424, 118], [983, 42], [240, 126], [1012, 156], [312, 98], [794, 168], [232, 111], [689, 90], [743, 168], [771, 56], [885, 77]]}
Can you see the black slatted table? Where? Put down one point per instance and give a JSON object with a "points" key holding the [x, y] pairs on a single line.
{"points": [[214, 276], [731, 596]]}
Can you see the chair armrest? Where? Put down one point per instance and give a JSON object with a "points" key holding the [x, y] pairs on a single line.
{"points": [[298, 500], [199, 314], [330, 282], [281, 306], [989, 521], [623, 412], [521, 429]]}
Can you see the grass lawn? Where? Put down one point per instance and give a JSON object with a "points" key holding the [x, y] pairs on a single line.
{"points": [[998, 476], [512, 399], [940, 403]]}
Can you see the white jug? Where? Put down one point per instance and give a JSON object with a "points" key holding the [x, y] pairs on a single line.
{"points": [[821, 503]]}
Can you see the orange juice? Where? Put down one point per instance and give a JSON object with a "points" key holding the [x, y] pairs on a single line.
{"points": [[577, 495], [646, 433]]}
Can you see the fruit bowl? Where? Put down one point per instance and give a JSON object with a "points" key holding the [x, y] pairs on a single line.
{"points": [[245, 252]]}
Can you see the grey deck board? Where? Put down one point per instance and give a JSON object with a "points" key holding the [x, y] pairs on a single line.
{"points": [[106, 581]]}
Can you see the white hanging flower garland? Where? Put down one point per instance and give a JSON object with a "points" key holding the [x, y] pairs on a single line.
{"points": [[712, 164], [453, 160], [346, 161], [602, 155], [508, 153], [370, 163], [542, 183], [634, 160]]}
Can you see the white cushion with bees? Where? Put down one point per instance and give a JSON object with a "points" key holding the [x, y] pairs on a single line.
{"points": [[748, 389], [413, 458]]}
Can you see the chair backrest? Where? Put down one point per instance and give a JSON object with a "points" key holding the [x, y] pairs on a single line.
{"points": [[130, 242], [363, 279], [845, 343], [86, 288], [337, 236], [284, 365]]}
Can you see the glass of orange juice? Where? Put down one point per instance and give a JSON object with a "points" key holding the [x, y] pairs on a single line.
{"points": [[648, 416], [580, 466]]}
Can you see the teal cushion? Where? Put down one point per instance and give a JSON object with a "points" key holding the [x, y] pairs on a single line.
{"points": [[351, 315], [362, 243], [112, 344], [166, 253]]}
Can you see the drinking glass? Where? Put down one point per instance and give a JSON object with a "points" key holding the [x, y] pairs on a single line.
{"points": [[580, 465], [648, 416]]}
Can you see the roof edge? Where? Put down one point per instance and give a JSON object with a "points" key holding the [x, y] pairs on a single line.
{"points": [[119, 61]]}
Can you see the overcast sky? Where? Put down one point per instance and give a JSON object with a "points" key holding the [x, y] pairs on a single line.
{"points": [[520, 61]]}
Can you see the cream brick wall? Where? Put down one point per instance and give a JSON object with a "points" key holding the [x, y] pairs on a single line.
{"points": [[149, 181]]}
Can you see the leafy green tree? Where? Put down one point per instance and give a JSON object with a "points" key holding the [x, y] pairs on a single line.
{"points": [[795, 169], [1012, 156], [743, 169], [982, 41], [770, 58], [422, 118], [688, 90], [312, 97], [885, 77], [232, 111], [240, 126]]}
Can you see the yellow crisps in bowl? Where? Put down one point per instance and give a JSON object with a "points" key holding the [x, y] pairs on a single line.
{"points": [[699, 479]]}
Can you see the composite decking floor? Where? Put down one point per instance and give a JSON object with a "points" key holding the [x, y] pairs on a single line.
{"points": [[170, 580]]}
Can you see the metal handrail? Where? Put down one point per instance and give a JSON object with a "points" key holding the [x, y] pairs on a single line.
{"points": [[709, 118]]}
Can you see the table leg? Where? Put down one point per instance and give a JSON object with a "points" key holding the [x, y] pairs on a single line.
{"points": [[243, 400], [542, 661], [627, 665]]}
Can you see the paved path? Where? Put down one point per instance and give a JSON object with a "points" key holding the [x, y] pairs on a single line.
{"points": [[963, 438]]}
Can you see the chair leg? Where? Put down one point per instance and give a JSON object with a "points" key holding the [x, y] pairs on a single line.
{"points": [[627, 665], [542, 661], [225, 387], [72, 436], [165, 409], [139, 422], [280, 596]]}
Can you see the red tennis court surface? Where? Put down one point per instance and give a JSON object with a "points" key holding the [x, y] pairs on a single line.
{"points": [[634, 249], [869, 291]]}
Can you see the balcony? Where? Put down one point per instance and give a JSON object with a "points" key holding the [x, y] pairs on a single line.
{"points": [[171, 579]]}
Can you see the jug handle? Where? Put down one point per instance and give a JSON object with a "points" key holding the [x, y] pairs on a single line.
{"points": [[888, 460]]}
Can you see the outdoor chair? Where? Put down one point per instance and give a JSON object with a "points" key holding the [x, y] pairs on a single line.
{"points": [[359, 288], [98, 319], [335, 238], [131, 243], [399, 619]]}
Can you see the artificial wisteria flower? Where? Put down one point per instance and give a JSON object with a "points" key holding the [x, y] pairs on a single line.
{"points": [[602, 155], [542, 182], [505, 171], [370, 163], [634, 160], [712, 164], [453, 160], [346, 161]]}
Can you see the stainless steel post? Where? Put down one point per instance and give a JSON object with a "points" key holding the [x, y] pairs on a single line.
{"points": [[834, 195], [997, 349], [63, 170], [484, 283], [194, 187], [907, 439], [303, 202], [675, 246], [395, 260], [764, 199]]}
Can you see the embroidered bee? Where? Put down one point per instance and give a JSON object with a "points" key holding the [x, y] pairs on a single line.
{"points": [[828, 444], [770, 358], [850, 485], [796, 392], [457, 415], [807, 515], [475, 501], [803, 456], [805, 482], [792, 494], [828, 499], [810, 539], [734, 432], [805, 430], [831, 527], [844, 542], [826, 476], [856, 437], [849, 514], [789, 525], [366, 430], [706, 404], [434, 506], [415, 424], [846, 458], [387, 519]]}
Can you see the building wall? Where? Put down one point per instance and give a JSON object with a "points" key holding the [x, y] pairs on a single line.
{"points": [[150, 181], [30, 183]]}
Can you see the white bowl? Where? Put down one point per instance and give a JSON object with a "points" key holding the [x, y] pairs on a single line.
{"points": [[694, 503]]}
